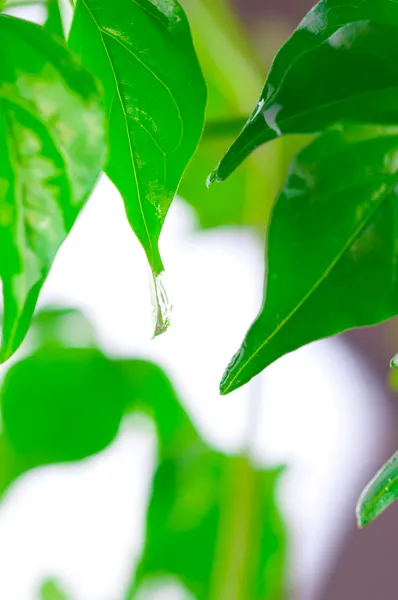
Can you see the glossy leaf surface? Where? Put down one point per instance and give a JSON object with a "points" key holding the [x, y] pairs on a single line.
{"points": [[380, 493], [142, 51], [52, 150], [339, 65], [332, 252]]}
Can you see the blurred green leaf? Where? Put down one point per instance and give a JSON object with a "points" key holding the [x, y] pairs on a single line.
{"points": [[332, 252], [233, 79], [50, 590], [68, 327], [380, 493], [338, 66], [142, 52], [52, 150], [212, 522], [53, 22]]}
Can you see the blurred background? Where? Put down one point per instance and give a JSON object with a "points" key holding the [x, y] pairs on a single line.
{"points": [[167, 490]]}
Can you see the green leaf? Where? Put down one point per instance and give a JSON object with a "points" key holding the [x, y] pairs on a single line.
{"points": [[142, 51], [232, 78], [52, 150], [339, 65], [53, 22], [213, 524], [212, 521], [50, 590], [332, 253], [379, 493]]}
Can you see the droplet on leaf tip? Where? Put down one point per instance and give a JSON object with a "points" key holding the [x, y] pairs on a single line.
{"points": [[163, 306], [213, 178], [394, 362]]}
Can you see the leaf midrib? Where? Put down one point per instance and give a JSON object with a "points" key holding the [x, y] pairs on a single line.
{"points": [[127, 132]]}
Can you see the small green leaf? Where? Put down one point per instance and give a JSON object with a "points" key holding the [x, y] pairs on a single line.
{"points": [[52, 150], [50, 590], [332, 252], [379, 493], [142, 51], [339, 65]]}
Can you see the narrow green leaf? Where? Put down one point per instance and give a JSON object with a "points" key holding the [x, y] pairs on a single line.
{"points": [[53, 22], [52, 150], [332, 251], [142, 51], [339, 65], [379, 493]]}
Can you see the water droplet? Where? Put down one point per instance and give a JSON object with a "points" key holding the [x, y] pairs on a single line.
{"points": [[163, 307], [394, 362], [213, 178], [270, 117]]}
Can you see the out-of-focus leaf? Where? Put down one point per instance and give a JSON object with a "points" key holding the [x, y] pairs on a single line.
{"points": [[232, 78], [68, 327], [332, 252], [212, 521], [380, 493], [52, 150], [53, 22], [58, 405], [64, 404], [50, 590], [213, 524], [339, 65], [142, 51]]}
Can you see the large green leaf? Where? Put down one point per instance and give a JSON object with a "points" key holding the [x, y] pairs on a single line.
{"points": [[339, 65], [332, 248], [380, 493], [142, 51], [52, 150], [233, 78]]}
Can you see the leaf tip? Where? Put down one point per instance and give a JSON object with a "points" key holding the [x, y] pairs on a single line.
{"points": [[213, 178]]}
